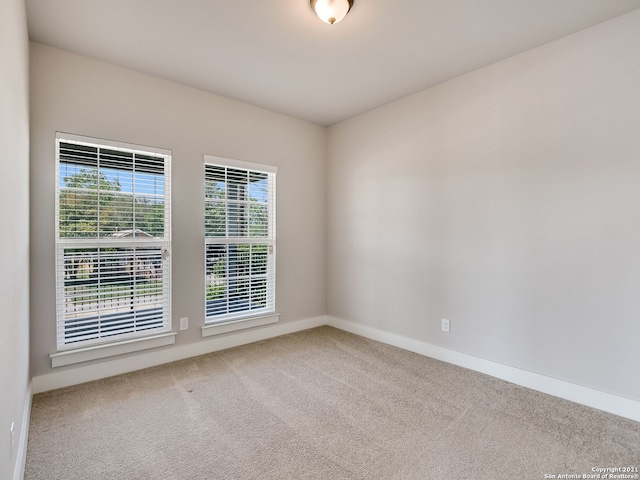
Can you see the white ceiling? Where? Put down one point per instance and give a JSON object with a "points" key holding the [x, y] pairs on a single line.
{"points": [[278, 55]]}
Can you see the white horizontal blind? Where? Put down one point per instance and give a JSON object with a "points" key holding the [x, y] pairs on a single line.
{"points": [[239, 240], [112, 242]]}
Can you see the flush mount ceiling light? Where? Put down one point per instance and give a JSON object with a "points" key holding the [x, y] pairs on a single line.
{"points": [[331, 11]]}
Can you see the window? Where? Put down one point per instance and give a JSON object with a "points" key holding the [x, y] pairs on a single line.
{"points": [[112, 241], [239, 239]]}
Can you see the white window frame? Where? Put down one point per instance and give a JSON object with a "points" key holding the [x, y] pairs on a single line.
{"points": [[230, 321], [106, 345]]}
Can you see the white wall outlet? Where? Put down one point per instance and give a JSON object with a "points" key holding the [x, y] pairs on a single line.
{"points": [[184, 323], [12, 440], [445, 325]]}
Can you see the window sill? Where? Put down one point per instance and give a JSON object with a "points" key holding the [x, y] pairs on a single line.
{"points": [[239, 324], [108, 350]]}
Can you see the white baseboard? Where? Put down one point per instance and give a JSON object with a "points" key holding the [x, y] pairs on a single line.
{"points": [[590, 397], [152, 358], [21, 451]]}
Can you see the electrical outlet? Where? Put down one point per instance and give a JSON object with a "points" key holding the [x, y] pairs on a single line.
{"points": [[184, 323], [12, 440], [445, 325]]}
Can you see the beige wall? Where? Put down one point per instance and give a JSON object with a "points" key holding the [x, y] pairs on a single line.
{"points": [[14, 233], [78, 95], [507, 201]]}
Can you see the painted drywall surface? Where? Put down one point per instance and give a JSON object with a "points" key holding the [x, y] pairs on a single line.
{"points": [[75, 94], [506, 201], [14, 233]]}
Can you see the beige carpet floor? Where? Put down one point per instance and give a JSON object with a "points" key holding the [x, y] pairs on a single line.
{"points": [[319, 404]]}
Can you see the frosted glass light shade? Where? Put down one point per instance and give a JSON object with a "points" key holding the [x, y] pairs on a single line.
{"points": [[331, 11]]}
